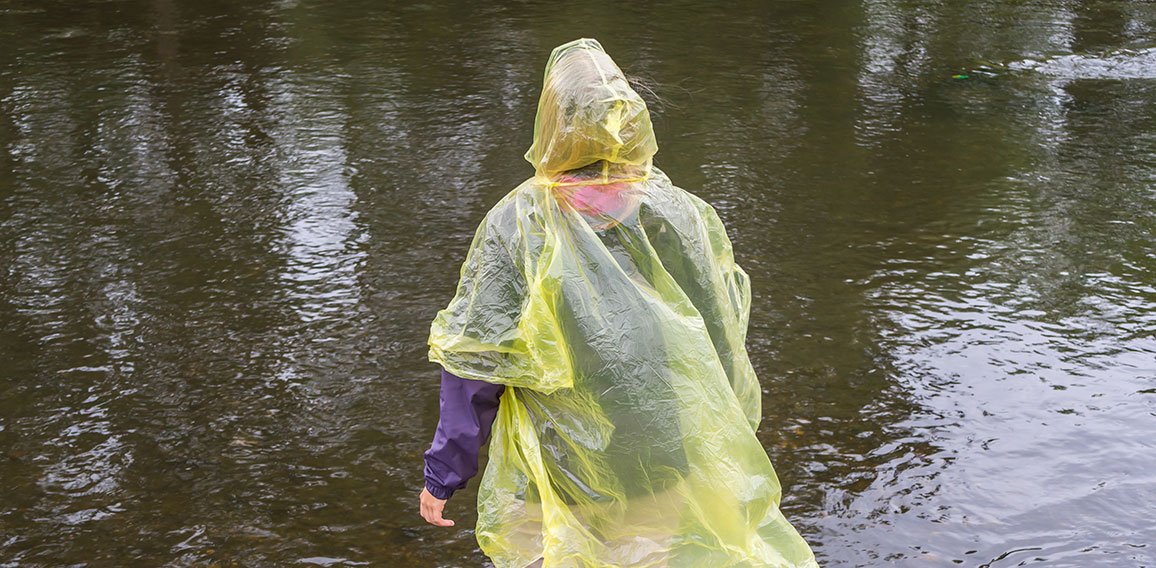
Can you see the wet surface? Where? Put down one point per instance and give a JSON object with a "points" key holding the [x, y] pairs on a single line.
{"points": [[225, 227]]}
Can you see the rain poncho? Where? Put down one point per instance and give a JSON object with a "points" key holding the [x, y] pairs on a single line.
{"points": [[609, 303]]}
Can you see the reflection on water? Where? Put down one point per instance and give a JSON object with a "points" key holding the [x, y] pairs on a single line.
{"points": [[226, 226], [1124, 64]]}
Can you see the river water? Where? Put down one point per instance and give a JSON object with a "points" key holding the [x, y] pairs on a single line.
{"points": [[225, 227]]}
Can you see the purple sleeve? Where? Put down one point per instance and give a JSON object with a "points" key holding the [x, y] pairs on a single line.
{"points": [[468, 409]]}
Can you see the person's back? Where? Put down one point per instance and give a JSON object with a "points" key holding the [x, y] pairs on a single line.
{"points": [[608, 302]]}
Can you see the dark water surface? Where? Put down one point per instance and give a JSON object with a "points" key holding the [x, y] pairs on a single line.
{"points": [[225, 227]]}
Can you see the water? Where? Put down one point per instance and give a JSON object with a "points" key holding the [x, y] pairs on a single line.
{"points": [[225, 227]]}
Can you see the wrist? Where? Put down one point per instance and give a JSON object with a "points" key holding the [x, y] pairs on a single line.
{"points": [[438, 491]]}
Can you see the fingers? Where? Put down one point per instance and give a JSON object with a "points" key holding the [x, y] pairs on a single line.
{"points": [[435, 518], [431, 510]]}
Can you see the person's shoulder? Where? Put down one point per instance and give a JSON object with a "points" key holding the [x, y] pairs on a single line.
{"points": [[673, 200], [523, 199]]}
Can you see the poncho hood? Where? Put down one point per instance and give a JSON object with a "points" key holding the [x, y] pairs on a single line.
{"points": [[588, 113]]}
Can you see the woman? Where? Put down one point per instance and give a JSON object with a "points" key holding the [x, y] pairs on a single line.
{"points": [[599, 325]]}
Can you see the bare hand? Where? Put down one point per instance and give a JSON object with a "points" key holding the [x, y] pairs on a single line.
{"points": [[431, 509]]}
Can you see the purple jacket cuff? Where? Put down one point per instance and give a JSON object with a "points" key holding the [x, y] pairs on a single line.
{"points": [[438, 491], [468, 409]]}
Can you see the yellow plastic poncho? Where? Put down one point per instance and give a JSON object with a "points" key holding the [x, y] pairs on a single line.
{"points": [[609, 303]]}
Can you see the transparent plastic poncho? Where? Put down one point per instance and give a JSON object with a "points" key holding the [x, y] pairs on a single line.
{"points": [[609, 303]]}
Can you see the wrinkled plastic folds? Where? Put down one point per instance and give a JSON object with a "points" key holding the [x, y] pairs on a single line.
{"points": [[609, 302]]}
